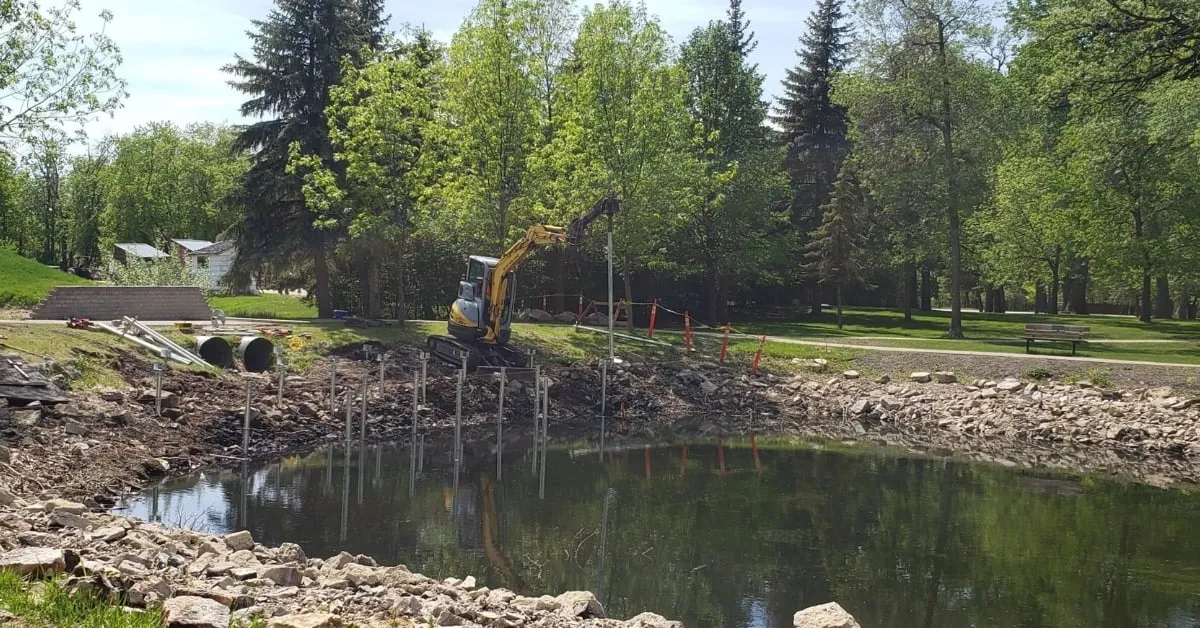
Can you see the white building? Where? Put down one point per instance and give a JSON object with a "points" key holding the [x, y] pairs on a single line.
{"points": [[216, 260]]}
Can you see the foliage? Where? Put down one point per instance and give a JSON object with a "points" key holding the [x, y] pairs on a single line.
{"points": [[167, 271], [51, 74], [833, 252], [55, 606]]}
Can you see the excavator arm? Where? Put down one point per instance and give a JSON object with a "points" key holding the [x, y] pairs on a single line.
{"points": [[536, 237]]}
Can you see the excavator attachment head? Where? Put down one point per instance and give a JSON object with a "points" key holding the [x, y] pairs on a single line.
{"points": [[606, 206]]}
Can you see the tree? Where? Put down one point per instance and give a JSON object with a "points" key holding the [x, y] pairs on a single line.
{"points": [[298, 52], [626, 127], [813, 125], [85, 202], [47, 163], [380, 120], [732, 217], [50, 73], [832, 253], [931, 106], [491, 109]]}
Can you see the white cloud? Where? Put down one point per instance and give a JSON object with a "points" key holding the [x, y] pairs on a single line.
{"points": [[174, 49]]}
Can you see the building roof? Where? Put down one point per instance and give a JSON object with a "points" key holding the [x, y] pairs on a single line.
{"points": [[140, 250], [214, 249], [191, 245]]}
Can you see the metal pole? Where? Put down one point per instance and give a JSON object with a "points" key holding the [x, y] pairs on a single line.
{"points": [[462, 374], [412, 457], [545, 413], [537, 417], [424, 374], [157, 390], [332, 386], [349, 418], [282, 372], [362, 424], [246, 424], [611, 316], [500, 424], [382, 369], [608, 495]]}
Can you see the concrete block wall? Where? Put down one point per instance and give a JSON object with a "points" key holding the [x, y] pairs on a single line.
{"points": [[148, 303]]}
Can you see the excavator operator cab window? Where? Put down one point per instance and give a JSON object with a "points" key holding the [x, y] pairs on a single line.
{"points": [[476, 271]]}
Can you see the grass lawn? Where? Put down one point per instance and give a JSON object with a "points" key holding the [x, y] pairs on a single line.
{"points": [[92, 352], [47, 604], [24, 282], [976, 326], [264, 306]]}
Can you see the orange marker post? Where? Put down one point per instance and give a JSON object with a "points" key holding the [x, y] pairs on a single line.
{"points": [[653, 317], [725, 343], [758, 356], [687, 331]]}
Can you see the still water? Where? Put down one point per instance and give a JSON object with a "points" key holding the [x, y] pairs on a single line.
{"points": [[733, 534]]}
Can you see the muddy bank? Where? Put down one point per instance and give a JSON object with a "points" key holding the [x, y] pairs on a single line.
{"points": [[105, 444]]}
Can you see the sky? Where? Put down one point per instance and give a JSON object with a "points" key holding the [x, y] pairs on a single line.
{"points": [[173, 49]]}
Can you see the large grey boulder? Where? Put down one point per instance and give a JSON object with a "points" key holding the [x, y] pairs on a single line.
{"points": [[540, 316], [194, 612], [241, 540], [651, 620], [829, 615], [580, 604], [34, 562]]}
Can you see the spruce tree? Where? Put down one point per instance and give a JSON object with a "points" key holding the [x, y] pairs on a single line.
{"points": [[832, 253], [740, 35], [298, 51], [813, 125]]}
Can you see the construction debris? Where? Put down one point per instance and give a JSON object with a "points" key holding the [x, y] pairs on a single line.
{"points": [[22, 383]]}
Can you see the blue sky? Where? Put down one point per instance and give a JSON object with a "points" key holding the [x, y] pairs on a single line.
{"points": [[174, 49]]}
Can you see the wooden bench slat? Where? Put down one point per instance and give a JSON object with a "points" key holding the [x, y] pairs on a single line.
{"points": [[1073, 334]]}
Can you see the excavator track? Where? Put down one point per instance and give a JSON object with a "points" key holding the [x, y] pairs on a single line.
{"points": [[479, 356]]}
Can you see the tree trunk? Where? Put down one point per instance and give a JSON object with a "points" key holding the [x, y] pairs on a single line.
{"points": [[711, 289], [1075, 286], [926, 288], [1163, 308], [839, 305], [628, 296], [814, 297], [1000, 302], [989, 299], [1144, 305], [321, 275], [1184, 305], [947, 128], [401, 300], [560, 280], [1053, 300], [723, 300], [1039, 299], [910, 290], [372, 297]]}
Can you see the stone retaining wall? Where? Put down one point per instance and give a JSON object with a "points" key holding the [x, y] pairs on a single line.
{"points": [[149, 303]]}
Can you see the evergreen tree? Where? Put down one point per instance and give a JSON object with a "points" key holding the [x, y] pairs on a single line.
{"points": [[298, 53], [740, 34], [832, 254], [813, 125]]}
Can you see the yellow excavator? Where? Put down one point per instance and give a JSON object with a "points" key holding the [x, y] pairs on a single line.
{"points": [[481, 316]]}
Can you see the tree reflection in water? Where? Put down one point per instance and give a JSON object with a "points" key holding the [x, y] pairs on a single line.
{"points": [[736, 533]]}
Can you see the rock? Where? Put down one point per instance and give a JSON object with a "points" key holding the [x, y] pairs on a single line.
{"points": [[944, 377], [152, 590], [891, 404], [107, 534], [862, 406], [651, 620], [829, 615], [468, 582], [283, 576], [194, 612], [75, 429], [883, 379], [540, 316], [989, 393], [921, 377], [62, 505], [132, 569], [850, 375], [243, 573], [580, 604], [34, 562], [339, 561], [363, 559], [67, 519], [5, 454], [707, 387], [290, 553], [818, 365], [7, 498], [358, 575], [169, 399], [1185, 404], [306, 620], [245, 558], [566, 317], [241, 540], [1009, 385]]}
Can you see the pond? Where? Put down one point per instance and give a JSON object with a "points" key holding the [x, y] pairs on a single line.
{"points": [[734, 533]]}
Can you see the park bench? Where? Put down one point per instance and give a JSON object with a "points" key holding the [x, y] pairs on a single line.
{"points": [[1073, 334]]}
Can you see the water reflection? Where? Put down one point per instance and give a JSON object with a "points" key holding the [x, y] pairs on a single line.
{"points": [[731, 534]]}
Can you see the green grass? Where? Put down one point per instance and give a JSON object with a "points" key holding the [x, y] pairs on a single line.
{"points": [[24, 282], [47, 604], [264, 306], [976, 326], [93, 352]]}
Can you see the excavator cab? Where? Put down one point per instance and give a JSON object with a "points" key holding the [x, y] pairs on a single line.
{"points": [[468, 314]]}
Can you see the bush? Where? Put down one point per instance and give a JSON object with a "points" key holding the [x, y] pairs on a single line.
{"points": [[168, 271]]}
